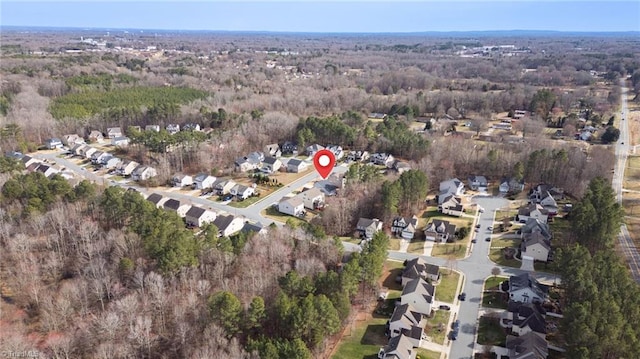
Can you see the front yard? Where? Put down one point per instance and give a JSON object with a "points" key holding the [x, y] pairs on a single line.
{"points": [[446, 290], [273, 213], [426, 354], [436, 327], [416, 246], [446, 250], [490, 332], [494, 299]]}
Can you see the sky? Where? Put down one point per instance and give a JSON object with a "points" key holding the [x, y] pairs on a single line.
{"points": [[328, 16]]}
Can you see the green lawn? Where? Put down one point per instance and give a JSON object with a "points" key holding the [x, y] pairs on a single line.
{"points": [[272, 212], [436, 327], [416, 246], [364, 341], [446, 290], [391, 270], [426, 354], [394, 244], [490, 332], [548, 267], [493, 282], [246, 203], [497, 257], [445, 250], [504, 242], [494, 300]]}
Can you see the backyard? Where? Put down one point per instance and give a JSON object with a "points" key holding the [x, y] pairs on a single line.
{"points": [[363, 339]]}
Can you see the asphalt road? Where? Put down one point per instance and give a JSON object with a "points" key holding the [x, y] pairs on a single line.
{"points": [[621, 150]]}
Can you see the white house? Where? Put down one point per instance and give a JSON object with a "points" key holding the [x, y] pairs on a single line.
{"points": [[312, 198], [241, 191], [181, 208], [313, 149], [143, 173], [98, 156], [383, 159], [96, 136], [113, 132], [526, 289], [478, 183], [173, 128], [203, 180], [452, 186], [337, 151], [273, 150], [399, 347], [292, 206], [271, 164], [157, 199], [126, 168], [419, 294], [182, 180], [46, 170], [222, 186], [440, 231], [111, 162], [198, 217], [228, 225], [244, 164], [72, 140], [451, 205], [368, 227], [155, 128], [296, 166], [120, 141], [536, 246], [532, 210], [404, 227], [53, 143], [88, 152]]}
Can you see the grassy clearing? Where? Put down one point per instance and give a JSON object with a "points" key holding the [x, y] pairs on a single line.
{"points": [[502, 214], [490, 332], [350, 240], [436, 327], [493, 282], [391, 270], [287, 177], [631, 203], [446, 250], [505, 242], [363, 341], [394, 244], [272, 212], [446, 290]]}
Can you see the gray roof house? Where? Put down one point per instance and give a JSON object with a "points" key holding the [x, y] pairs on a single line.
{"points": [[418, 293], [527, 346], [296, 165], [526, 289], [399, 347], [418, 268], [368, 227], [478, 183]]}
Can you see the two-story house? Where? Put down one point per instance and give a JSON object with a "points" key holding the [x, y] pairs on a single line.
{"points": [[525, 288], [440, 231], [418, 268], [419, 294], [312, 198], [368, 227], [404, 227]]}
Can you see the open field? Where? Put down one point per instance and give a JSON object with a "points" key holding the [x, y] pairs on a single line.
{"points": [[632, 174]]}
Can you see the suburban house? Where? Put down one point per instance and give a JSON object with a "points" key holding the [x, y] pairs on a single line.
{"points": [[511, 185], [535, 226], [547, 196], [120, 141], [243, 164], [440, 231], [526, 289], [453, 187], [368, 227], [181, 180], [359, 156], [34, 166], [72, 140], [383, 159], [111, 162], [523, 318], [53, 143], [403, 320], [528, 346], [419, 294], [75, 149], [312, 198], [535, 245], [98, 156], [241, 191], [46, 170], [404, 227], [191, 127], [292, 206], [96, 136], [143, 173], [418, 268], [254, 228], [126, 168], [203, 180], [173, 128], [222, 186], [228, 225], [28, 160], [198, 217], [157, 199], [313, 149], [271, 164], [402, 167], [399, 347], [336, 180], [88, 152], [272, 150], [296, 165], [478, 183], [179, 207], [451, 205], [337, 151], [289, 148], [532, 210], [113, 132], [155, 128]]}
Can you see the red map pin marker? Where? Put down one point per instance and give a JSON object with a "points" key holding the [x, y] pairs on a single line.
{"points": [[324, 160]]}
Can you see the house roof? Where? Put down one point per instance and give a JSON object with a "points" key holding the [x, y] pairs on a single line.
{"points": [[154, 198], [270, 160], [242, 188], [173, 204], [421, 287], [535, 321], [533, 225], [526, 210], [293, 201], [450, 185], [368, 222], [415, 332], [482, 180], [422, 266], [294, 162], [26, 158], [222, 222], [525, 280], [313, 192], [399, 347], [406, 313], [529, 345], [195, 212], [252, 227], [442, 227], [525, 309], [530, 239]]}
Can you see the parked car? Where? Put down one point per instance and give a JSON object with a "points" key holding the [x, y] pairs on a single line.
{"points": [[474, 240], [490, 229], [462, 296], [488, 239], [444, 307], [478, 225], [227, 197], [453, 335], [455, 325]]}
